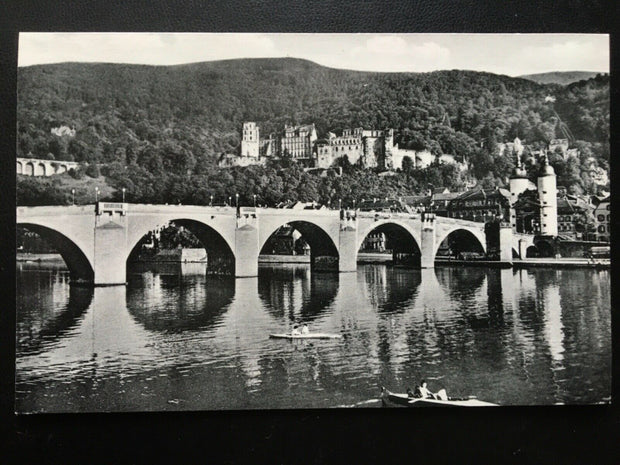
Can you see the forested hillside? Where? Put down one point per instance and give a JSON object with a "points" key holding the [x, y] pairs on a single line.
{"points": [[161, 129]]}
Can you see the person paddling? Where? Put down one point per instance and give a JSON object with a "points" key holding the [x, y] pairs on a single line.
{"points": [[423, 392], [295, 331]]}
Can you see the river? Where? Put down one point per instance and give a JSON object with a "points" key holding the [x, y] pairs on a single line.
{"points": [[176, 339]]}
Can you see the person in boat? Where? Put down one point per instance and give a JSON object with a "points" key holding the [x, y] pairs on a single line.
{"points": [[304, 329], [423, 392], [295, 331], [410, 393]]}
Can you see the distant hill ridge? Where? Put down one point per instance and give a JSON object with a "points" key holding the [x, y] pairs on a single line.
{"points": [[560, 77], [122, 108], [159, 131]]}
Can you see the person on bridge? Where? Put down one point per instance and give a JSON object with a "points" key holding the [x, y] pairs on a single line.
{"points": [[304, 329], [295, 331]]}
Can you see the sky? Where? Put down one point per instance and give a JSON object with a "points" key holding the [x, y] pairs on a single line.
{"points": [[511, 54]]}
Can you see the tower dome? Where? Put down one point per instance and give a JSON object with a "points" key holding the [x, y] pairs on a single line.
{"points": [[546, 169], [518, 172]]}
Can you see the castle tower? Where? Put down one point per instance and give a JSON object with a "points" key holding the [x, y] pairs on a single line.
{"points": [[388, 146], [547, 194], [250, 140]]}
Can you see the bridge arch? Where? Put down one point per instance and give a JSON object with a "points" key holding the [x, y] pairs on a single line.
{"points": [[320, 241], [220, 255], [471, 237], [20, 167], [39, 169], [403, 240], [80, 266], [29, 169]]}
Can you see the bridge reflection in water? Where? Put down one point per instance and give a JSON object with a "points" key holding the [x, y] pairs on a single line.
{"points": [[175, 338]]}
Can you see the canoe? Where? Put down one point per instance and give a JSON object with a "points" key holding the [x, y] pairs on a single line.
{"points": [[390, 399], [305, 336]]}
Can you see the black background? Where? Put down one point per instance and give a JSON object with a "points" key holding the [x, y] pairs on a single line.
{"points": [[588, 434]]}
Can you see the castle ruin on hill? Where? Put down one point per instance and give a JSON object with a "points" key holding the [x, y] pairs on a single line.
{"points": [[370, 148]]}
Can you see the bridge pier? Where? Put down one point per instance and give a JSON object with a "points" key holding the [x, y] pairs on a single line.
{"points": [[110, 251], [246, 247], [505, 242], [522, 249], [347, 261], [427, 247]]}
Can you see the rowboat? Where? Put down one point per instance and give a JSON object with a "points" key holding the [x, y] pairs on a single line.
{"points": [[393, 399], [305, 336]]}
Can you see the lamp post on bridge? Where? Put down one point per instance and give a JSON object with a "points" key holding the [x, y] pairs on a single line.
{"points": [[237, 200], [72, 196], [211, 201], [229, 201], [96, 194], [254, 197], [124, 195]]}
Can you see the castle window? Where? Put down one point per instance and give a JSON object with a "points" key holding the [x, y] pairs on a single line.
{"points": [[601, 218]]}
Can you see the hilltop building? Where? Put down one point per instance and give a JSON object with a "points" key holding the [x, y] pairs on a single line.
{"points": [[250, 140], [61, 131], [297, 142], [370, 148]]}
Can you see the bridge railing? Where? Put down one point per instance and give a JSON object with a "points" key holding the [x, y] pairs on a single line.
{"points": [[55, 210]]}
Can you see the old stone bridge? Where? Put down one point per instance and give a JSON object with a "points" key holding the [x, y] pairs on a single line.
{"points": [[96, 241]]}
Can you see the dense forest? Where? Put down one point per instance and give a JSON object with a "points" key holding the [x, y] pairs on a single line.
{"points": [[159, 131]]}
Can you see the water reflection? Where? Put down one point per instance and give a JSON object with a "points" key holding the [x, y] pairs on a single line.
{"points": [[177, 339], [391, 289], [43, 318], [179, 298], [295, 292]]}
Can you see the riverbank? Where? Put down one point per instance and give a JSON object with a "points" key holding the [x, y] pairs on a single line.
{"points": [[562, 263], [283, 259], [38, 257], [374, 257], [196, 257]]}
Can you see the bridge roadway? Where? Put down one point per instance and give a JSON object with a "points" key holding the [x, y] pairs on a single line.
{"points": [[97, 240]]}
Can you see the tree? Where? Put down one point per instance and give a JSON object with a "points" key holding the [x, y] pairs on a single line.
{"points": [[407, 164], [92, 170]]}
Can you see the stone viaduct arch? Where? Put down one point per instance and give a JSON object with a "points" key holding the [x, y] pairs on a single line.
{"points": [[37, 167], [29, 169]]}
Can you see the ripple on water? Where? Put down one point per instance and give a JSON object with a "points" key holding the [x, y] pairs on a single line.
{"points": [[468, 332]]}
